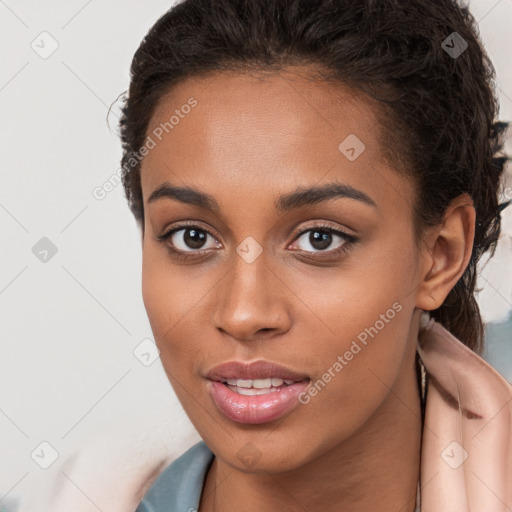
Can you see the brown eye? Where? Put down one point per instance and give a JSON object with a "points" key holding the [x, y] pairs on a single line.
{"points": [[187, 240], [320, 239], [193, 238]]}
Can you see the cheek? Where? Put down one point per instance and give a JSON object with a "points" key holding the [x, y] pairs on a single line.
{"points": [[367, 322], [354, 296], [166, 299], [175, 298], [155, 291], [356, 368]]}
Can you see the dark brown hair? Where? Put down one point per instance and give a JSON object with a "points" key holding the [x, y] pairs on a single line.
{"points": [[436, 89]]}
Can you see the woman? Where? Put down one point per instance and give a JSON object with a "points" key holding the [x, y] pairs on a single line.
{"points": [[313, 180]]}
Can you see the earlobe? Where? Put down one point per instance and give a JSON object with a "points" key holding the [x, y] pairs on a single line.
{"points": [[448, 251]]}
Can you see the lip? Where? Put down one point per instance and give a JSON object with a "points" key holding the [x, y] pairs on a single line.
{"points": [[254, 409], [256, 370]]}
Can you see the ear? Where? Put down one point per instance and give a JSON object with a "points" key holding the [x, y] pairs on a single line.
{"points": [[446, 253]]}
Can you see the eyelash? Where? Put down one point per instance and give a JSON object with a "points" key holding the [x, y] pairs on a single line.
{"points": [[349, 241]]}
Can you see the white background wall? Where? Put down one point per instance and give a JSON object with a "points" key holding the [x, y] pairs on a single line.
{"points": [[69, 325]]}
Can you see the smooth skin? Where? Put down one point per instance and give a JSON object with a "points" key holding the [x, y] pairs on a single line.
{"points": [[250, 139]]}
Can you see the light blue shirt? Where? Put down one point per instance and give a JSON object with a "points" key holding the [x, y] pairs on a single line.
{"points": [[178, 488]]}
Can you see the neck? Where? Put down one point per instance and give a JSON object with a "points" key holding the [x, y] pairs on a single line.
{"points": [[377, 468]]}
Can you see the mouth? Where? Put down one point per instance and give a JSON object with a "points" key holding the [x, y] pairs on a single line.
{"points": [[258, 372], [251, 387], [257, 392]]}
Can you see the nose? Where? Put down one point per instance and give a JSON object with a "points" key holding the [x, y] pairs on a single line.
{"points": [[252, 302]]}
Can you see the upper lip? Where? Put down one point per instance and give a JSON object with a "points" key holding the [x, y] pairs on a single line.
{"points": [[255, 370]]}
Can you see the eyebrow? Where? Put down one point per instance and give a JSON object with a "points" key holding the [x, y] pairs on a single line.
{"points": [[302, 196]]}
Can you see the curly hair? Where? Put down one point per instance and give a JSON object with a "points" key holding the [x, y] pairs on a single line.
{"points": [[439, 107]]}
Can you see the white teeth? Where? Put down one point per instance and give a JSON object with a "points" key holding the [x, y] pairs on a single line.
{"points": [[261, 383], [244, 383], [258, 384]]}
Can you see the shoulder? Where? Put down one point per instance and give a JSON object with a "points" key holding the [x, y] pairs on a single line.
{"points": [[179, 485], [467, 429]]}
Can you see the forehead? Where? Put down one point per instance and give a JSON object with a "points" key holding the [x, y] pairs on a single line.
{"points": [[258, 132]]}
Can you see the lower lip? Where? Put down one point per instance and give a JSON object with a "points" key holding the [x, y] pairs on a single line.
{"points": [[255, 409]]}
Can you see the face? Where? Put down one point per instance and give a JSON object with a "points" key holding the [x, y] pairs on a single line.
{"points": [[295, 247]]}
